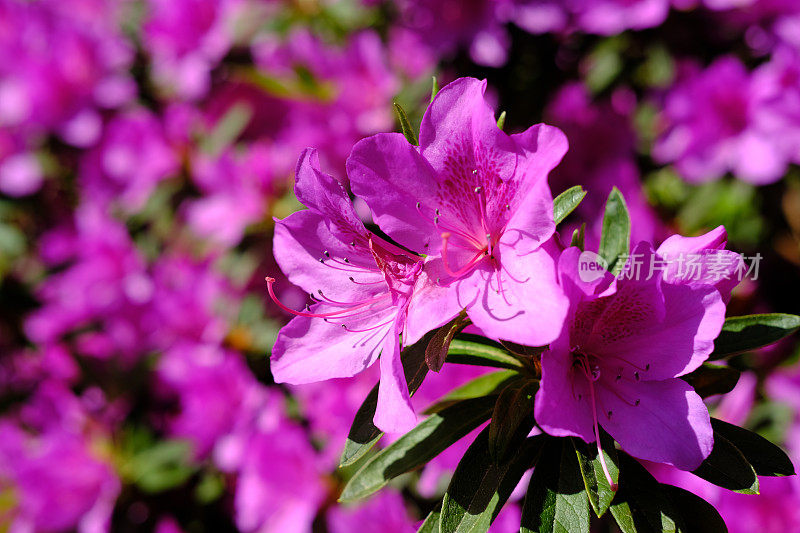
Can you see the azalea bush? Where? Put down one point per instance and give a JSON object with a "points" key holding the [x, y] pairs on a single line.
{"points": [[529, 264]]}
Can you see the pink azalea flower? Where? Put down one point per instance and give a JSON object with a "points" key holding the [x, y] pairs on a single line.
{"points": [[603, 17], [715, 122], [279, 484], [49, 460], [602, 155], [362, 287], [384, 511], [618, 361], [210, 385], [133, 157], [477, 202]]}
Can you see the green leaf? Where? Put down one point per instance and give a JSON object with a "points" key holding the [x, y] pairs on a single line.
{"points": [[566, 202], [597, 486], [616, 236], [726, 467], [480, 487], [556, 499], [431, 523], [512, 418], [699, 516], [501, 120], [405, 125], [434, 87], [745, 333], [432, 436], [485, 385], [579, 237], [363, 433], [641, 506], [436, 351], [163, 466], [708, 380], [470, 352], [766, 458]]}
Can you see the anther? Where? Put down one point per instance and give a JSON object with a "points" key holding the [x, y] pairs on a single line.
{"points": [[346, 260], [637, 402], [321, 260], [437, 212], [478, 190], [352, 243], [351, 279], [636, 376], [419, 204], [609, 415], [647, 366], [475, 171], [326, 253]]}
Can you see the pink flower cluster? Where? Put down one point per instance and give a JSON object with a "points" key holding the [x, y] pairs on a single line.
{"points": [[480, 237]]}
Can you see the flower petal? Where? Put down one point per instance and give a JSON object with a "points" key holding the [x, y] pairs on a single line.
{"points": [[310, 349], [561, 405], [390, 175], [669, 425], [520, 301], [300, 245], [394, 413]]}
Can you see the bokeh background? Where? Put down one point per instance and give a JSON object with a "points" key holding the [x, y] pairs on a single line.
{"points": [[146, 145]]}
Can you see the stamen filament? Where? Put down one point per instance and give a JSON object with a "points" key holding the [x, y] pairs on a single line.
{"points": [[338, 314], [597, 428], [466, 268]]}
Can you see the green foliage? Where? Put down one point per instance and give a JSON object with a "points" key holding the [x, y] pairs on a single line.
{"points": [[431, 436], [480, 486], [616, 236], [405, 125], [597, 487], [745, 333], [708, 379], [566, 202], [363, 434], [556, 500]]}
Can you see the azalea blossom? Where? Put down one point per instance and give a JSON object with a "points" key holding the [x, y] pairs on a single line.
{"points": [[476, 201], [363, 287], [618, 361]]}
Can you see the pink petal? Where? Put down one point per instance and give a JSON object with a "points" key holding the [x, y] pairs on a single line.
{"points": [[669, 425]]}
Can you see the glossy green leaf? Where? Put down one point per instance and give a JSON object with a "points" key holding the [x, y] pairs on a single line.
{"points": [[726, 467], [431, 436], [616, 236], [431, 523], [566, 202], [512, 418], [641, 506], [698, 516], [363, 433], [486, 385], [434, 87], [467, 351], [480, 487], [405, 125], [436, 351], [597, 486], [745, 333], [766, 458], [708, 380], [579, 237], [556, 500]]}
